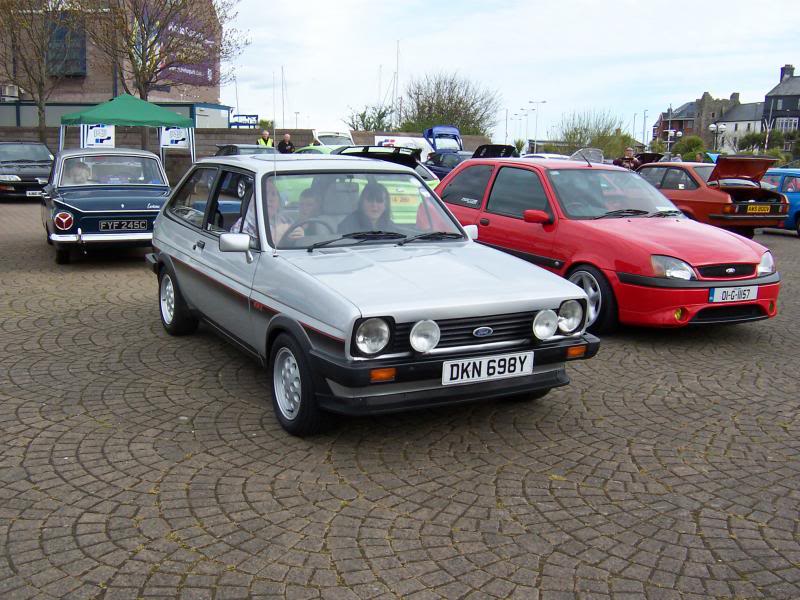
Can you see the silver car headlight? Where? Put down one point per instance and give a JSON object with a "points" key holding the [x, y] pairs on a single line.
{"points": [[570, 316], [767, 264], [672, 268], [545, 324], [372, 336], [10, 178], [424, 336]]}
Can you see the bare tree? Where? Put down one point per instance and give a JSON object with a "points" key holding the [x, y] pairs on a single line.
{"points": [[34, 48], [370, 118], [596, 129], [448, 99]]}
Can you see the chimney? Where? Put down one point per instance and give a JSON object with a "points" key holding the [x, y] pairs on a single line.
{"points": [[786, 72]]}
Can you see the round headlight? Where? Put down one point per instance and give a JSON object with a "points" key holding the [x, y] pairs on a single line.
{"points": [[372, 336], [545, 324], [424, 336], [570, 316]]}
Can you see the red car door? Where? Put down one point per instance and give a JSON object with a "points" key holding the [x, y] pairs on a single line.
{"points": [[464, 193], [514, 190]]}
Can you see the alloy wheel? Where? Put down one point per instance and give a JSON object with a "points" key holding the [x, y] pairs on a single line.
{"points": [[287, 384], [167, 300], [589, 285]]}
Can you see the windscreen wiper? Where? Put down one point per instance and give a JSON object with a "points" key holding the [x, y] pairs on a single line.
{"points": [[361, 236], [623, 212], [673, 212], [433, 235]]}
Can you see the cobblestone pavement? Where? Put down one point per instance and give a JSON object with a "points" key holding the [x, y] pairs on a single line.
{"points": [[135, 465]]}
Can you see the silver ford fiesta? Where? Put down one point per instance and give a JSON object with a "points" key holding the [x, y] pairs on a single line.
{"points": [[356, 287]]}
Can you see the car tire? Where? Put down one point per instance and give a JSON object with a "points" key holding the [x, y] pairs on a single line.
{"points": [[293, 396], [797, 224], [176, 317], [603, 316], [62, 255]]}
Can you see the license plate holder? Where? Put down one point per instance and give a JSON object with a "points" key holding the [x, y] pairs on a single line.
{"points": [[724, 295], [124, 225], [487, 368]]}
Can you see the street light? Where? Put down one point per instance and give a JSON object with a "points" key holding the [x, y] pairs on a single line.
{"points": [[717, 130], [536, 125], [527, 139], [670, 134]]}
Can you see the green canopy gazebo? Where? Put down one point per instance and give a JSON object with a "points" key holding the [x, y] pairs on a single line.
{"points": [[128, 111]]}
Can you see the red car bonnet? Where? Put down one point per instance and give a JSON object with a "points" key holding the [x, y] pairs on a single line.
{"points": [[751, 168]]}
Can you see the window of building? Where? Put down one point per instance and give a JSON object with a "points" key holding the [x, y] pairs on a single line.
{"points": [[780, 104], [467, 188], [66, 51], [748, 126], [785, 124], [515, 191], [736, 127]]}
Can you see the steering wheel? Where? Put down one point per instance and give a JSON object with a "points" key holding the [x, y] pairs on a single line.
{"points": [[285, 238]]}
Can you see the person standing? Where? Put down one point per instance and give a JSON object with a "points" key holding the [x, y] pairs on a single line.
{"points": [[285, 146], [629, 161], [265, 140]]}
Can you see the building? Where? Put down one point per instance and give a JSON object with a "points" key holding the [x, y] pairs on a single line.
{"points": [[88, 78], [782, 103], [736, 122], [693, 118]]}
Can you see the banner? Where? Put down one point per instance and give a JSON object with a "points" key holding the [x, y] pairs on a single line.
{"points": [[98, 136], [174, 137]]}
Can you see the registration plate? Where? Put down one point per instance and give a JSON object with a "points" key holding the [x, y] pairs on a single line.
{"points": [[123, 225], [757, 208], [487, 368], [33, 193], [733, 294]]}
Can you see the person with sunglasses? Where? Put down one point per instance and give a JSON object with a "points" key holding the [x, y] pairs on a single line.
{"points": [[373, 213]]}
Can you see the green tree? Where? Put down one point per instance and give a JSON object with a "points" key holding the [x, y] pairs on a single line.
{"points": [[658, 145], [593, 129], [370, 118], [689, 146], [265, 124], [519, 145], [447, 99]]}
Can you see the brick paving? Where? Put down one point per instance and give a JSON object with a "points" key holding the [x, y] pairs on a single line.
{"points": [[135, 465]]}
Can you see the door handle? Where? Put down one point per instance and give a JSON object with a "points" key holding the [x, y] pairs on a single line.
{"points": [[484, 221], [199, 244]]}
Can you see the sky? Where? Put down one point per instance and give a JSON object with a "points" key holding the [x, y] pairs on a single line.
{"points": [[620, 56]]}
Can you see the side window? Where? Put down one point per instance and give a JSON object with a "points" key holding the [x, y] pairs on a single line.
{"points": [[678, 179], [434, 159], [772, 181], [653, 176], [515, 191], [230, 202], [189, 202], [791, 183], [467, 188], [450, 160]]}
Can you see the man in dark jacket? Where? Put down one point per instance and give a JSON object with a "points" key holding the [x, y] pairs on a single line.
{"points": [[628, 161], [285, 146]]}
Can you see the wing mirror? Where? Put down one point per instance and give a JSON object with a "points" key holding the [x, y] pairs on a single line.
{"points": [[236, 242], [536, 216], [471, 231]]}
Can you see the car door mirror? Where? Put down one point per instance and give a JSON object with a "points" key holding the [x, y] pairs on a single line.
{"points": [[536, 216], [471, 231], [234, 242]]}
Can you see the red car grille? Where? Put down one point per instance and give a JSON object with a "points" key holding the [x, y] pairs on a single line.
{"points": [[727, 271]]}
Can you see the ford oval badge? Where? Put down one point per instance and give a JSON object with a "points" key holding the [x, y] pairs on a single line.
{"points": [[730, 270], [482, 332]]}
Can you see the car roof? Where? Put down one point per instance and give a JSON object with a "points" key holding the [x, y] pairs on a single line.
{"points": [[120, 151], [784, 170], [549, 163], [263, 164]]}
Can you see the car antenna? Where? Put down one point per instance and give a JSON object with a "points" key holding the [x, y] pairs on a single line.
{"points": [[583, 156], [265, 201]]}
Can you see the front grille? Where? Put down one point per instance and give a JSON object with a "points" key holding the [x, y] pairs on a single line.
{"points": [[729, 314], [721, 271], [458, 332]]}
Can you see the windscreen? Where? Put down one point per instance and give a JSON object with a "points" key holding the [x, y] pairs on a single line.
{"points": [[592, 193], [704, 172], [110, 169], [447, 143], [24, 153], [303, 210], [258, 150], [335, 140]]}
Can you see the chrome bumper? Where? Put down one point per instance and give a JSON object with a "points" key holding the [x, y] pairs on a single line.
{"points": [[94, 238]]}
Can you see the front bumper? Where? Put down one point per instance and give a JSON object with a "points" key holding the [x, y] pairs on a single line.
{"points": [[654, 302], [19, 190], [102, 238], [346, 389]]}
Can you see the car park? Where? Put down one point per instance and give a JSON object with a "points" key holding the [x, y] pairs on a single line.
{"points": [[787, 182], [351, 312], [100, 197], [726, 194], [640, 261], [237, 149], [24, 169]]}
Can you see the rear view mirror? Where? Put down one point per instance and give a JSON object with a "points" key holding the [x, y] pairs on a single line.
{"points": [[536, 216], [471, 231]]}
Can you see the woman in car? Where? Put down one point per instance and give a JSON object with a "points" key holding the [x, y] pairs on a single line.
{"points": [[373, 212]]}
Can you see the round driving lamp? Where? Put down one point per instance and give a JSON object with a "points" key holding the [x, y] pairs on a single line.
{"points": [[570, 316], [545, 324], [372, 336], [424, 336]]}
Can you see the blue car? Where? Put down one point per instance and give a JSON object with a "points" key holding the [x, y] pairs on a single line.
{"points": [[787, 182], [100, 197]]}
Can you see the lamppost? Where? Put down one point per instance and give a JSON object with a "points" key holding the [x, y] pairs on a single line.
{"points": [[296, 114], [717, 130], [527, 139], [670, 134], [536, 124]]}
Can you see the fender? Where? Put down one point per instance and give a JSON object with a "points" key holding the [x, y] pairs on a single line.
{"points": [[280, 323]]}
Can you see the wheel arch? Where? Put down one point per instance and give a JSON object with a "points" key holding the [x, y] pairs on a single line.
{"points": [[282, 323]]}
